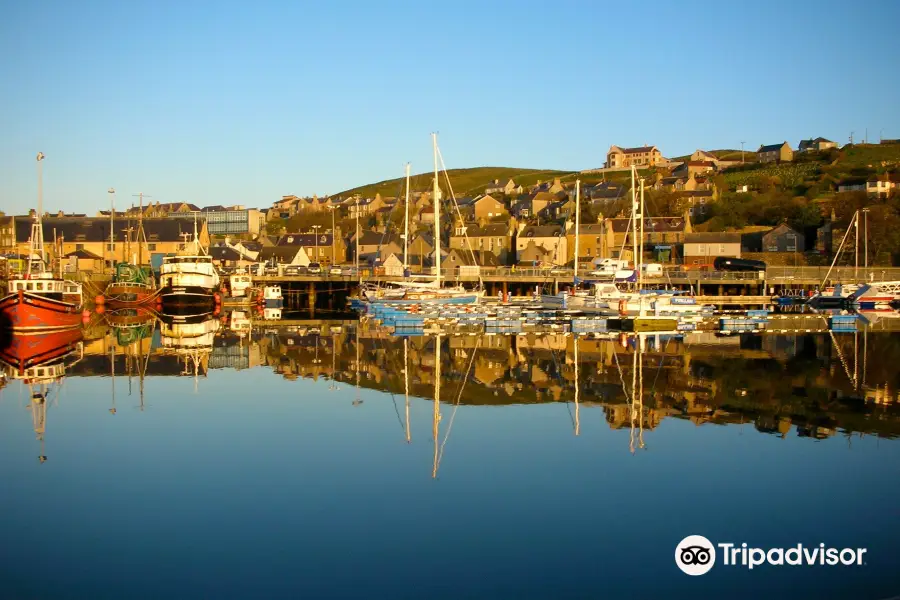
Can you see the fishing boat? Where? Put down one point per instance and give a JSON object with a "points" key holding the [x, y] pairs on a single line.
{"points": [[189, 278], [132, 284], [39, 301], [427, 289], [272, 297]]}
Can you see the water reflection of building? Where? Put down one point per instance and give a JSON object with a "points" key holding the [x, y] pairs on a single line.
{"points": [[796, 382]]}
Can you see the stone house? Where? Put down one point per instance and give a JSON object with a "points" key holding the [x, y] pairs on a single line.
{"points": [[775, 153], [491, 237], [819, 143], [783, 239], [703, 248], [644, 156], [550, 238]]}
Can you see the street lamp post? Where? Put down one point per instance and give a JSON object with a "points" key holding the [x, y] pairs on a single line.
{"points": [[333, 257], [315, 229]]}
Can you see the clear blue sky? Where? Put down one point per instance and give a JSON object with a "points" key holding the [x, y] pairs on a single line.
{"points": [[242, 102]]}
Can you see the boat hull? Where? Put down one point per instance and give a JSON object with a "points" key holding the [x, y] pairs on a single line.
{"points": [[25, 351], [27, 312], [186, 295]]}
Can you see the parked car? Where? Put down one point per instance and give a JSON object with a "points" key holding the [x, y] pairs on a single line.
{"points": [[652, 269], [348, 271], [314, 268], [334, 271], [292, 270]]}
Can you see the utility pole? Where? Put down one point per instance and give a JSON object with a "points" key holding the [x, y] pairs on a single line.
{"points": [[742, 152], [356, 253], [867, 136], [851, 138]]}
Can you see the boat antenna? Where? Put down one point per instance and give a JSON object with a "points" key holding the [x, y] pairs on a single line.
{"points": [[37, 228]]}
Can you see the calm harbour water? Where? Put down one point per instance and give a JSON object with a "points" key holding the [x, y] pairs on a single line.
{"points": [[286, 465]]}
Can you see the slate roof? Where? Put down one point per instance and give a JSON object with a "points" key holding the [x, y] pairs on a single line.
{"points": [[82, 254], [771, 147], [91, 229], [651, 224], [541, 231], [225, 253]]}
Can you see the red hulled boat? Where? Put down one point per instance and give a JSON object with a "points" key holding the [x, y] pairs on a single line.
{"points": [[39, 302]]}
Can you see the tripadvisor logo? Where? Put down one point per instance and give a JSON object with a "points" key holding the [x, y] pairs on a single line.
{"points": [[696, 555]]}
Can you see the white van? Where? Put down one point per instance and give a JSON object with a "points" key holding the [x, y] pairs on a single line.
{"points": [[608, 267], [652, 269]]}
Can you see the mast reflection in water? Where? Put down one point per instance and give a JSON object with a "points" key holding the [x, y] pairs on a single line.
{"points": [[250, 457]]}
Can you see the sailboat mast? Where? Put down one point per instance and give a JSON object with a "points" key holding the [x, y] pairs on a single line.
{"points": [[577, 222], [112, 224], [140, 230], [437, 215], [634, 225], [406, 384], [406, 224], [437, 401], [641, 241]]}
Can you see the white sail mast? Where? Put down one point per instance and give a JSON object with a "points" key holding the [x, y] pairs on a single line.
{"points": [[437, 215], [406, 225], [577, 221]]}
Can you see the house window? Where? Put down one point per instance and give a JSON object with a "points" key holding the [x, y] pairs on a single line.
{"points": [[151, 247], [773, 248], [721, 248]]}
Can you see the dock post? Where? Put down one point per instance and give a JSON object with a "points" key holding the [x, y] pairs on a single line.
{"points": [[312, 295]]}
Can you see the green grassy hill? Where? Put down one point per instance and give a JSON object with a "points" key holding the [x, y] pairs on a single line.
{"points": [[465, 182]]}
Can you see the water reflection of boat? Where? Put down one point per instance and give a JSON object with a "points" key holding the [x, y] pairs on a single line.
{"points": [[40, 375], [189, 332], [26, 351]]}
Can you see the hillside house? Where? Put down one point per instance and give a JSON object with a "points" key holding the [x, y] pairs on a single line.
{"points": [[775, 153], [492, 237], [378, 244], [783, 239], [661, 236], [489, 208], [510, 188], [550, 238], [590, 242], [882, 185], [694, 167], [703, 248], [644, 156], [320, 247], [818, 143]]}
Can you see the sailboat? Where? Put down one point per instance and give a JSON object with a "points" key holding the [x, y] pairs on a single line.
{"points": [[189, 278], [40, 301], [428, 291], [872, 295], [131, 285]]}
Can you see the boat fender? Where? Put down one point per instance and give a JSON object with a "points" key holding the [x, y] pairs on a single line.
{"points": [[623, 307]]}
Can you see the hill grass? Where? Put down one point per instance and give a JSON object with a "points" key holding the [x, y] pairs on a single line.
{"points": [[465, 182]]}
